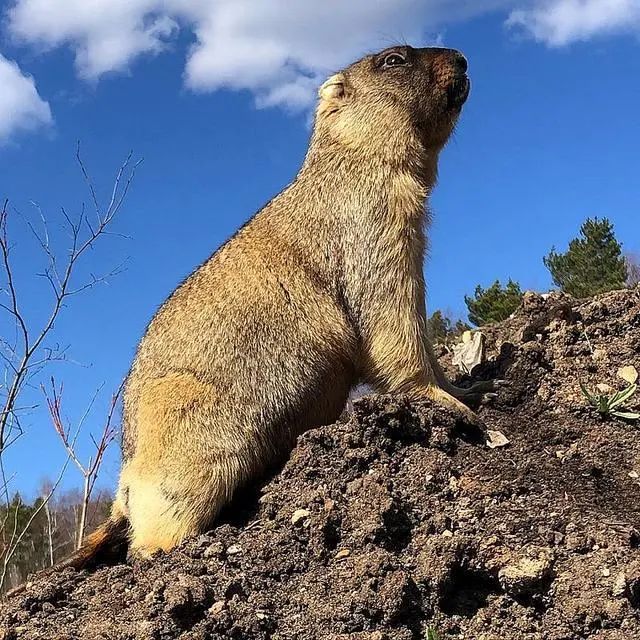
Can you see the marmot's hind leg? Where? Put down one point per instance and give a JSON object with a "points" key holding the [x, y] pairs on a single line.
{"points": [[169, 505], [475, 394]]}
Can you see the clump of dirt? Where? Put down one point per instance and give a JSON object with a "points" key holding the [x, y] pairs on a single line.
{"points": [[399, 520]]}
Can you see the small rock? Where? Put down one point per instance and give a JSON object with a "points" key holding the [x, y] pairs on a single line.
{"points": [[528, 573], [214, 550], [177, 599], [329, 504], [496, 439], [343, 553], [606, 572], [217, 607], [620, 585], [234, 549], [299, 515], [568, 453], [203, 540], [628, 374]]}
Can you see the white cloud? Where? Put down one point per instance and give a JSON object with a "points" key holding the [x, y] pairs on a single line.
{"points": [[560, 22], [280, 49], [21, 107], [105, 34]]}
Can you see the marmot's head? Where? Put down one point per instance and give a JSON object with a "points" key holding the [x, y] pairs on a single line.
{"points": [[395, 102]]}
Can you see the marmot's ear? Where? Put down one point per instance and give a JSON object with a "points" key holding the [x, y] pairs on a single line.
{"points": [[334, 90]]}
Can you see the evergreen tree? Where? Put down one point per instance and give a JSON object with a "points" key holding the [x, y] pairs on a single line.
{"points": [[442, 328], [593, 263], [439, 326], [493, 304]]}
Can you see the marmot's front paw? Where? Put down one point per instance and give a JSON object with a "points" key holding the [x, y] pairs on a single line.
{"points": [[469, 416], [481, 392]]}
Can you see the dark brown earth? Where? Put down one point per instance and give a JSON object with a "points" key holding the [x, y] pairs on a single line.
{"points": [[401, 522]]}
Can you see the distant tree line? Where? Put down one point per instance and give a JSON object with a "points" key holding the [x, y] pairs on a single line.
{"points": [[593, 263], [50, 526]]}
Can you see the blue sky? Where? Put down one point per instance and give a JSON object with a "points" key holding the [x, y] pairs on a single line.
{"points": [[549, 136]]}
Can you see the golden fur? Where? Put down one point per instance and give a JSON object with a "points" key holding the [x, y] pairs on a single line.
{"points": [[321, 290]]}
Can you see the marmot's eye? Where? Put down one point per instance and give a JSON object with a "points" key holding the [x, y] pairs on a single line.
{"points": [[394, 60]]}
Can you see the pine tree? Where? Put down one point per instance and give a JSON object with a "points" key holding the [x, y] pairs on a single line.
{"points": [[442, 328], [593, 263], [493, 304], [439, 326]]}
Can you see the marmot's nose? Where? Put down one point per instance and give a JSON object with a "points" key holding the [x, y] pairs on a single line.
{"points": [[460, 62]]}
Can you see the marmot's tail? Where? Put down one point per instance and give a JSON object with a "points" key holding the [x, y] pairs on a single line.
{"points": [[108, 543]]}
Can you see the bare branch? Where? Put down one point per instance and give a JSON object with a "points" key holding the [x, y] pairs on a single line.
{"points": [[91, 468], [633, 270], [24, 352], [92, 191]]}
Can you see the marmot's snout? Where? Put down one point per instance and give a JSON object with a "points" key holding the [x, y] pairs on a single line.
{"points": [[450, 70]]}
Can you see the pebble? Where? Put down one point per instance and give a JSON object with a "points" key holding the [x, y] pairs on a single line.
{"points": [[299, 515], [620, 585], [217, 607], [527, 573], [213, 550]]}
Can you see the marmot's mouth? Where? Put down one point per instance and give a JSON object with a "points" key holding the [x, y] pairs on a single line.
{"points": [[458, 92]]}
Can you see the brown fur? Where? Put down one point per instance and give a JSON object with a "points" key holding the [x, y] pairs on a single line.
{"points": [[321, 290]]}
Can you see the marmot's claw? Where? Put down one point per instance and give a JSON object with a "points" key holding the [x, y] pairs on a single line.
{"points": [[488, 397], [489, 385], [482, 392]]}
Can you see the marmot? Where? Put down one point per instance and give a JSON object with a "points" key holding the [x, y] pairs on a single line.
{"points": [[322, 289]]}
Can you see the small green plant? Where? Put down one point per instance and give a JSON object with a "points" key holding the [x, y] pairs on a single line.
{"points": [[432, 634], [612, 404]]}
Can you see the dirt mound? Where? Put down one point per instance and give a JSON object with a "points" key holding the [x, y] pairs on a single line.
{"points": [[400, 523]]}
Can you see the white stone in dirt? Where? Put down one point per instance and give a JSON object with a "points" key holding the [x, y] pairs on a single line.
{"points": [[299, 515], [620, 585], [496, 439], [599, 354], [527, 572], [628, 374]]}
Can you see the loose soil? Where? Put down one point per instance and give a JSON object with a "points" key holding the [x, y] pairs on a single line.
{"points": [[399, 522]]}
